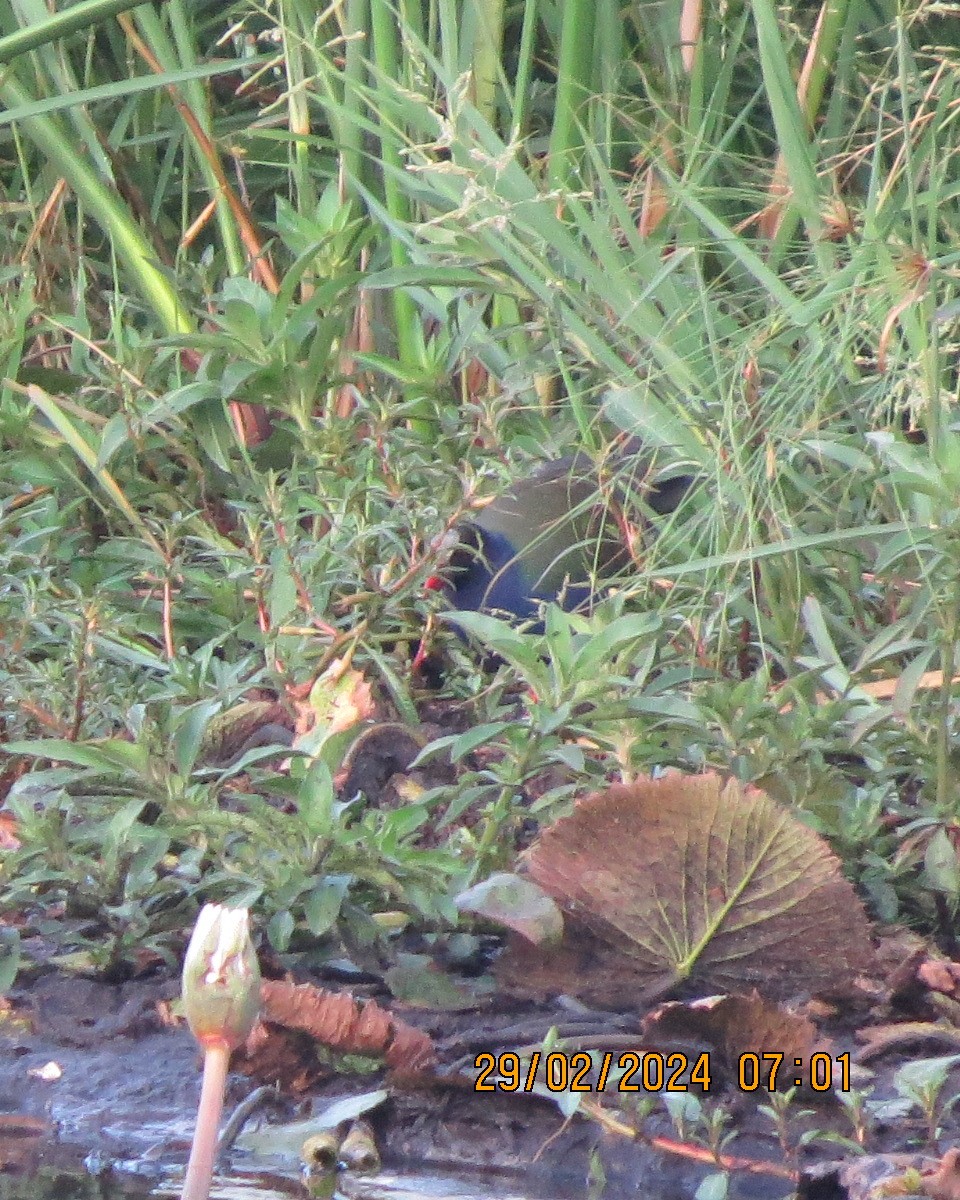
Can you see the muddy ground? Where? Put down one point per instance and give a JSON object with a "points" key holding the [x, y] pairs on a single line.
{"points": [[118, 1101]]}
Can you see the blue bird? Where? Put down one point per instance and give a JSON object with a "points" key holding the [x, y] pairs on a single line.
{"points": [[549, 537]]}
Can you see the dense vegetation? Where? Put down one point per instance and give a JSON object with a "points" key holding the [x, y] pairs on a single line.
{"points": [[284, 291]]}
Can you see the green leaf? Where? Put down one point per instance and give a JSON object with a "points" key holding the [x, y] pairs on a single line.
{"points": [[280, 929], [788, 118], [714, 1187], [465, 743], [596, 652], [322, 906], [109, 757], [10, 957], [922, 1076], [940, 864], [516, 903]]}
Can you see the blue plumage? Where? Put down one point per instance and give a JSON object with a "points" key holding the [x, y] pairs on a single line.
{"points": [[551, 537]]}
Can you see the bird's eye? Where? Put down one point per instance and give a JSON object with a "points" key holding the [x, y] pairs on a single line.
{"points": [[457, 552]]}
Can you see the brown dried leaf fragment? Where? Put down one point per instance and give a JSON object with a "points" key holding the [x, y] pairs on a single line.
{"points": [[732, 1026], [944, 1183], [347, 1025]]}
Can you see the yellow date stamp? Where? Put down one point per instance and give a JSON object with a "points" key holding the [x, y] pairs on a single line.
{"points": [[652, 1071]]}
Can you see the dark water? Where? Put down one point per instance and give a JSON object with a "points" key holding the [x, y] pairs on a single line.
{"points": [[58, 1185]]}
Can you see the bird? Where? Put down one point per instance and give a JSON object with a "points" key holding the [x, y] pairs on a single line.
{"points": [[552, 536]]}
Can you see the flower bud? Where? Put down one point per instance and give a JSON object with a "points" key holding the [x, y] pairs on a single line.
{"points": [[221, 978]]}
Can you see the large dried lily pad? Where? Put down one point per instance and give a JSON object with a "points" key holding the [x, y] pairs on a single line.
{"points": [[695, 877]]}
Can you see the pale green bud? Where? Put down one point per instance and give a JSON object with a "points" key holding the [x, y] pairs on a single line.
{"points": [[221, 978]]}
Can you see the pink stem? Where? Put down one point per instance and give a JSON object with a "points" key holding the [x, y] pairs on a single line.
{"points": [[196, 1183]]}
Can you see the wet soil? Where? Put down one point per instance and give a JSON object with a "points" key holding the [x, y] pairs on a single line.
{"points": [[99, 1080]]}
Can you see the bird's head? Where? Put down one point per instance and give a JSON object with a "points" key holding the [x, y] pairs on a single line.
{"points": [[482, 570]]}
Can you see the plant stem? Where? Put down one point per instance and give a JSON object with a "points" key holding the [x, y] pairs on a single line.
{"points": [[945, 792], [574, 75], [487, 59], [350, 124], [196, 1183], [387, 57], [521, 83]]}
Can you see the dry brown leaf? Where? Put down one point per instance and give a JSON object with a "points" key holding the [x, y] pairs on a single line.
{"points": [[342, 697], [939, 975], [944, 1183], [737, 1025], [345, 1024], [696, 877]]}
